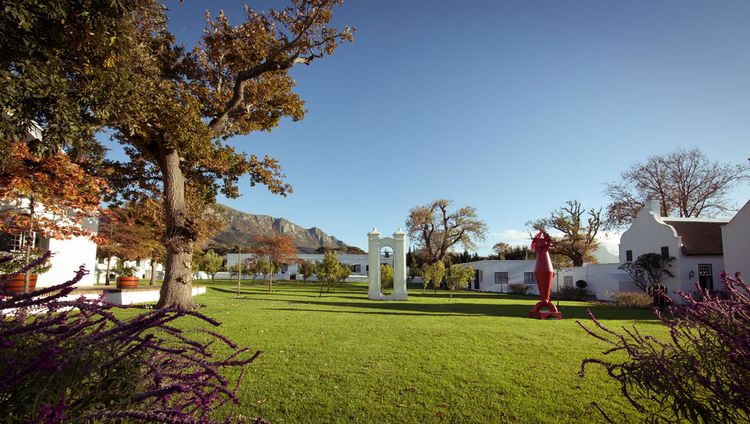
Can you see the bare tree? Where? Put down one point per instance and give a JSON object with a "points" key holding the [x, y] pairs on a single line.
{"points": [[578, 241], [436, 230], [685, 182]]}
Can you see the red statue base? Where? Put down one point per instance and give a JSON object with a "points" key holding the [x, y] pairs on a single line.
{"points": [[551, 311]]}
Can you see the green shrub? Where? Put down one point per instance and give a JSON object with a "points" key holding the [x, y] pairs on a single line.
{"points": [[633, 299], [518, 288], [574, 293]]}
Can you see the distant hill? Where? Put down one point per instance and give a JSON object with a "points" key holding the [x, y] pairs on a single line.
{"points": [[242, 226]]}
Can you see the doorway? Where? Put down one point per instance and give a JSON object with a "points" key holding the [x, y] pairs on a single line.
{"points": [[705, 277]]}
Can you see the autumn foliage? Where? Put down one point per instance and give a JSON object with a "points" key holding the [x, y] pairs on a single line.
{"points": [[49, 195]]}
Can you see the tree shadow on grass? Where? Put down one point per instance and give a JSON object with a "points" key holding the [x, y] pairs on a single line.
{"points": [[468, 309], [309, 292], [363, 305]]}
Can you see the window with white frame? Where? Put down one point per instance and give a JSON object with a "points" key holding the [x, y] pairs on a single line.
{"points": [[501, 278], [529, 278], [15, 242]]}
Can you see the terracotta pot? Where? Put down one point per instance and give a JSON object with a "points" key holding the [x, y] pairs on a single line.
{"points": [[127, 282], [15, 284]]}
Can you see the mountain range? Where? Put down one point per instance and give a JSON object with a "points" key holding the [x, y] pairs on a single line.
{"points": [[242, 227]]}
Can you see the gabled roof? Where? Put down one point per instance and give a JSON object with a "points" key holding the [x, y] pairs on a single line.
{"points": [[699, 237]]}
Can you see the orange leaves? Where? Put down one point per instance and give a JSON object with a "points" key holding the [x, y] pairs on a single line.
{"points": [[53, 192], [279, 248]]}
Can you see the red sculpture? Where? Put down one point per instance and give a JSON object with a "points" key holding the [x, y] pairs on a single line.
{"points": [[543, 272]]}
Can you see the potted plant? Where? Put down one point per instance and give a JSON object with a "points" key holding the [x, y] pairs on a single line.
{"points": [[126, 278], [16, 283]]}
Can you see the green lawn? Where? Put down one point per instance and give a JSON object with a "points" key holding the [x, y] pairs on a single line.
{"points": [[344, 358]]}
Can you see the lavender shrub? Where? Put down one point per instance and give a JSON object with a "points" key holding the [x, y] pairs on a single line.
{"points": [[700, 374], [66, 360]]}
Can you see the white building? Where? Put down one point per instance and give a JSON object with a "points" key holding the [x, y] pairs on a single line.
{"points": [[703, 248], [601, 280], [494, 275], [695, 243], [67, 255], [735, 237], [357, 262]]}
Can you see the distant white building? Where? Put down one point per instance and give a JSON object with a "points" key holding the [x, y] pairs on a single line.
{"points": [[142, 266], [735, 237], [357, 262], [601, 280], [494, 275]]}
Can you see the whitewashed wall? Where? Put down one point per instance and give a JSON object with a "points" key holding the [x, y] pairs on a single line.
{"points": [[647, 234], [601, 279], [514, 268], [68, 255], [736, 240]]}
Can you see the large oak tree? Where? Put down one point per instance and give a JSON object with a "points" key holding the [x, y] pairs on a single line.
{"points": [[685, 182], [436, 230], [171, 108]]}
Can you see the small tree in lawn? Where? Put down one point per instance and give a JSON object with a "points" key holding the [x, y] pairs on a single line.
{"points": [[458, 277], [328, 271], [343, 273], [434, 273], [386, 276], [210, 263], [307, 270], [276, 249], [46, 195]]}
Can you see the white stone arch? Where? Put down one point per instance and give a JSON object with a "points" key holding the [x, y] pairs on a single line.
{"points": [[398, 244]]}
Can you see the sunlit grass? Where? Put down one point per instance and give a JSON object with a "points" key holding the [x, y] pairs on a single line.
{"points": [[478, 358]]}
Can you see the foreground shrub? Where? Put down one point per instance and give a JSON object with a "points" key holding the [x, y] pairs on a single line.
{"points": [[64, 361], [518, 288], [632, 299], [701, 374]]}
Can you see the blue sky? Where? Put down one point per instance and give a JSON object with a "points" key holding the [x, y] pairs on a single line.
{"points": [[512, 107]]}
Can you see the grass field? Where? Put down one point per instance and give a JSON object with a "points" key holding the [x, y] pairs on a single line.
{"points": [[344, 358]]}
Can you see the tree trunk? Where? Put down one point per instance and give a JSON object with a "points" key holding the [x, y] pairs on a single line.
{"points": [[176, 290], [153, 271], [29, 242], [109, 267]]}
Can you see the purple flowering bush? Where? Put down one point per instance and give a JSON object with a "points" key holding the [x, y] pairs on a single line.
{"points": [[66, 360], [701, 373]]}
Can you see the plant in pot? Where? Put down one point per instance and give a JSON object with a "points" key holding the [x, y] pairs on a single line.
{"points": [[126, 278], [11, 277]]}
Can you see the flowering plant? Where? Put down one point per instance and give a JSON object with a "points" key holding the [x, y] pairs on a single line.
{"points": [[700, 374], [64, 359]]}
